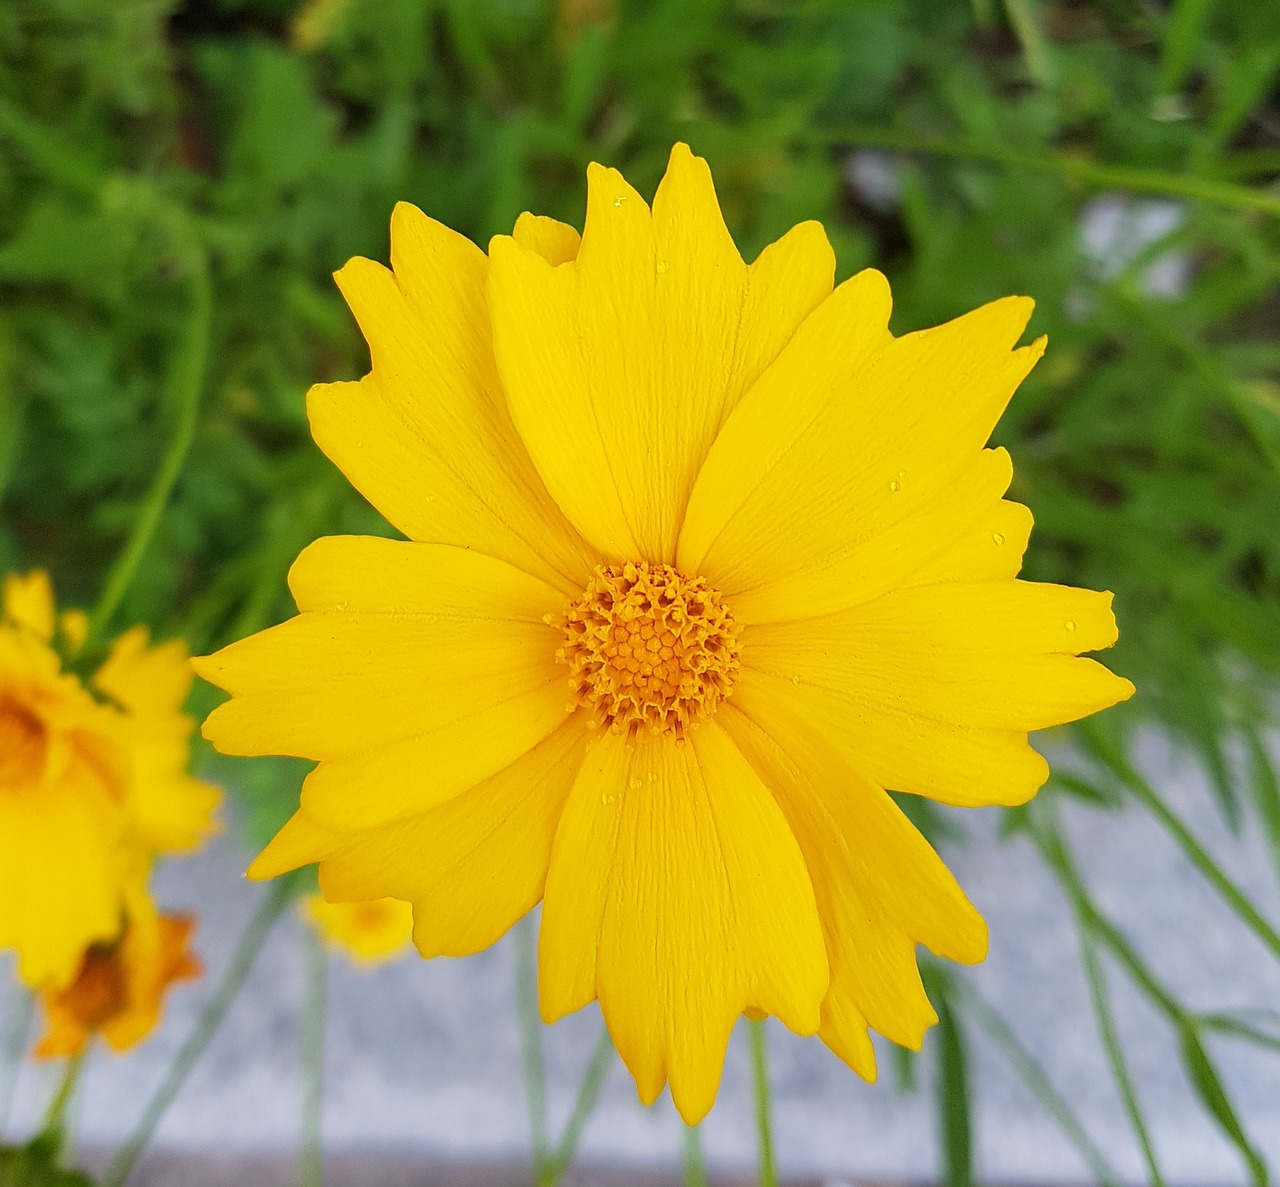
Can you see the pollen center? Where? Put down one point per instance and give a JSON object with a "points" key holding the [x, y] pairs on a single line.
{"points": [[23, 742], [649, 648]]}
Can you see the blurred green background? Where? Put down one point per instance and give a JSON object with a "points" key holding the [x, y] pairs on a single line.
{"points": [[177, 182]]}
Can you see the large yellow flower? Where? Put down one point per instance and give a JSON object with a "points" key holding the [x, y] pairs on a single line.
{"points": [[701, 560], [370, 932], [93, 782]]}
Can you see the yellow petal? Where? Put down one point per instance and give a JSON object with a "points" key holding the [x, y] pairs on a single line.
{"points": [[679, 897], [172, 811], [471, 867], [847, 437], [426, 437], [28, 602], [62, 865], [989, 548], [415, 671], [555, 242], [621, 366], [881, 889], [932, 689]]}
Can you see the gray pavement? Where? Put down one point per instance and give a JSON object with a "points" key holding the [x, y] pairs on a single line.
{"points": [[423, 1062]]}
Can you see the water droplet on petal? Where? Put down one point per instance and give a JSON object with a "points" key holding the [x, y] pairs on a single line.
{"points": [[895, 486], [795, 679], [620, 200], [998, 537], [637, 784], [1071, 626], [663, 266]]}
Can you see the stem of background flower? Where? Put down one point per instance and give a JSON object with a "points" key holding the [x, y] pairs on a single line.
{"points": [[311, 1155], [17, 1032], [984, 1016], [62, 1097], [588, 1095], [188, 382], [695, 1168], [535, 1080], [252, 939], [764, 1123], [1070, 168]]}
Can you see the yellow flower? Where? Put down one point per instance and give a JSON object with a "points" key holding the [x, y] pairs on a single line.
{"points": [[701, 560], [119, 989], [93, 782], [370, 932]]}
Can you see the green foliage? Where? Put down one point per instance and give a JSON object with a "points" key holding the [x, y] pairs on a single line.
{"points": [[178, 182], [36, 1165]]}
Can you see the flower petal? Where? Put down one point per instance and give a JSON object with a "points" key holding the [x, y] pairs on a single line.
{"points": [[555, 242], [27, 602], [172, 811], [849, 436], [932, 689], [471, 867], [61, 869], [679, 897], [415, 671], [880, 888], [426, 437], [621, 366]]}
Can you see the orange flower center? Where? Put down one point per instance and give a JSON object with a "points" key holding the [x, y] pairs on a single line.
{"points": [[647, 646], [101, 991], [24, 741]]}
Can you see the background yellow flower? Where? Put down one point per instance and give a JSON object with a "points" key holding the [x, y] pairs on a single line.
{"points": [[93, 782]]}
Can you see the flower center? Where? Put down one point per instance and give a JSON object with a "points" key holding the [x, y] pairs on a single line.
{"points": [[647, 646], [23, 743]]}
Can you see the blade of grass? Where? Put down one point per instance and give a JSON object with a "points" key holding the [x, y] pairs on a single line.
{"points": [[273, 903], [1035, 50], [187, 372], [1209, 1088], [764, 1121], [311, 1153], [955, 1112], [588, 1097], [1234, 897], [535, 1076], [695, 1167], [1100, 998], [1079, 169], [1034, 1077]]}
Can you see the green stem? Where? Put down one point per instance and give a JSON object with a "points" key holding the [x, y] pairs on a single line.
{"points": [[57, 1109], [764, 1122], [535, 1080], [1067, 166], [1115, 1050], [983, 1015], [311, 1156], [1187, 841], [588, 1096], [246, 953], [188, 382], [17, 1032], [695, 1167]]}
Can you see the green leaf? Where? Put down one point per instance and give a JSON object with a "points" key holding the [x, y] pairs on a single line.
{"points": [[1208, 1086], [955, 1111], [36, 1165]]}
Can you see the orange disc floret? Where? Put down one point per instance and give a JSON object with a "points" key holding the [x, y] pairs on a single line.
{"points": [[648, 647]]}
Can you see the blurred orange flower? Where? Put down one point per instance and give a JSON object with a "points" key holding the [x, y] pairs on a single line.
{"points": [[119, 990]]}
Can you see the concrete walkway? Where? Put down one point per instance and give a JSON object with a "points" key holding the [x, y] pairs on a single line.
{"points": [[423, 1058]]}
